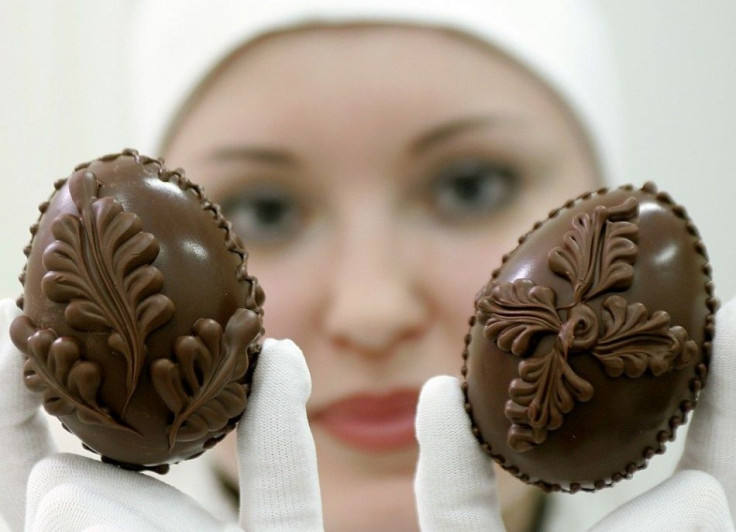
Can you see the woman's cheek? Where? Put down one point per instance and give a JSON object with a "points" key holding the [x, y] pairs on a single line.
{"points": [[294, 284], [460, 265]]}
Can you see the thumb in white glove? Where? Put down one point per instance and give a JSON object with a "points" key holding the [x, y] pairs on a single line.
{"points": [[701, 495], [24, 436], [455, 487], [279, 484], [689, 500], [711, 439], [71, 492], [278, 470], [455, 484]]}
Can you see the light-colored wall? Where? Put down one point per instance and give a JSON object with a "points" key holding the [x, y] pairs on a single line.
{"points": [[62, 100], [677, 60]]}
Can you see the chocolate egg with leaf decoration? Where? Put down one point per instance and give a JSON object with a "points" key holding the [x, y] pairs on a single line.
{"points": [[591, 341], [140, 324]]}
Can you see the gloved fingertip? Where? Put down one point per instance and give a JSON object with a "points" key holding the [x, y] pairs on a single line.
{"points": [[726, 317], [282, 369], [279, 483], [269, 344], [441, 411], [438, 390], [455, 484]]}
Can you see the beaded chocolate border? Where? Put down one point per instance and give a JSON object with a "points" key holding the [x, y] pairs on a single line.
{"points": [[696, 382], [233, 244], [232, 241]]}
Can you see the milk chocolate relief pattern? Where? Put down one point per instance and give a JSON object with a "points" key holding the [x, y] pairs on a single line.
{"points": [[590, 343], [141, 324]]}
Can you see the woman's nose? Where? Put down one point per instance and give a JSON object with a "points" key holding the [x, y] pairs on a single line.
{"points": [[375, 303]]}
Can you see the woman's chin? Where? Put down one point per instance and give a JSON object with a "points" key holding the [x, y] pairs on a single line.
{"points": [[379, 502]]}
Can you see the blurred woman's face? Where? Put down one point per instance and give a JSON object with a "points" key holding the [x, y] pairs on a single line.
{"points": [[377, 175]]}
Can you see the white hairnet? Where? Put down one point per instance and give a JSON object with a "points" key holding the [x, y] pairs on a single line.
{"points": [[563, 42]]}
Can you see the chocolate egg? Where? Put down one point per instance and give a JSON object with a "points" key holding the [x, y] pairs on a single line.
{"points": [[140, 322], [590, 343]]}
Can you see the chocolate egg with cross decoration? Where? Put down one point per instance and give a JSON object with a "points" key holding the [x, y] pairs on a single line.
{"points": [[140, 324], [591, 341]]}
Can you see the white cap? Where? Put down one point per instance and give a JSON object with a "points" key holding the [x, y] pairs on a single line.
{"points": [[563, 42]]}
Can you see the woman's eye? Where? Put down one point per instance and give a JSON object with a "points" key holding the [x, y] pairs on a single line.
{"points": [[263, 216], [468, 189]]}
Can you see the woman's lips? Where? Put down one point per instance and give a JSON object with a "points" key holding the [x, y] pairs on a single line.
{"points": [[372, 422]]}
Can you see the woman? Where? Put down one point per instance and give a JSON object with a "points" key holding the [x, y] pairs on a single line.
{"points": [[378, 161], [363, 160]]}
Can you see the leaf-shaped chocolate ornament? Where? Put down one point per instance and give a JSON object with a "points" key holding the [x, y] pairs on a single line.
{"points": [[596, 328], [547, 389], [633, 341], [596, 256], [518, 312], [203, 386], [599, 251], [100, 264], [125, 259], [56, 368]]}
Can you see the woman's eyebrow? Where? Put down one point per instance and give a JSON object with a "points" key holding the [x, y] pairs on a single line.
{"points": [[446, 130], [263, 154]]}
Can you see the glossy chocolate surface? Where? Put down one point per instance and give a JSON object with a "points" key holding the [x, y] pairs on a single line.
{"points": [[141, 324], [591, 341]]}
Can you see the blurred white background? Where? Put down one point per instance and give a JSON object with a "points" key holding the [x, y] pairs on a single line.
{"points": [[63, 101]]}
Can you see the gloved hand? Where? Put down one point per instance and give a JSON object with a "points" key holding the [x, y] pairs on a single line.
{"points": [[456, 488], [24, 436], [455, 483], [702, 493], [277, 463]]}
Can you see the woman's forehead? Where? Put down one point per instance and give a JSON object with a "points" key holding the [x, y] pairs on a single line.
{"points": [[404, 51], [388, 74]]}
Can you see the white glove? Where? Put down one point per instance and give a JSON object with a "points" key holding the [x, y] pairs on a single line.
{"points": [[455, 485], [277, 462], [456, 488], [711, 440], [24, 437], [702, 493]]}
